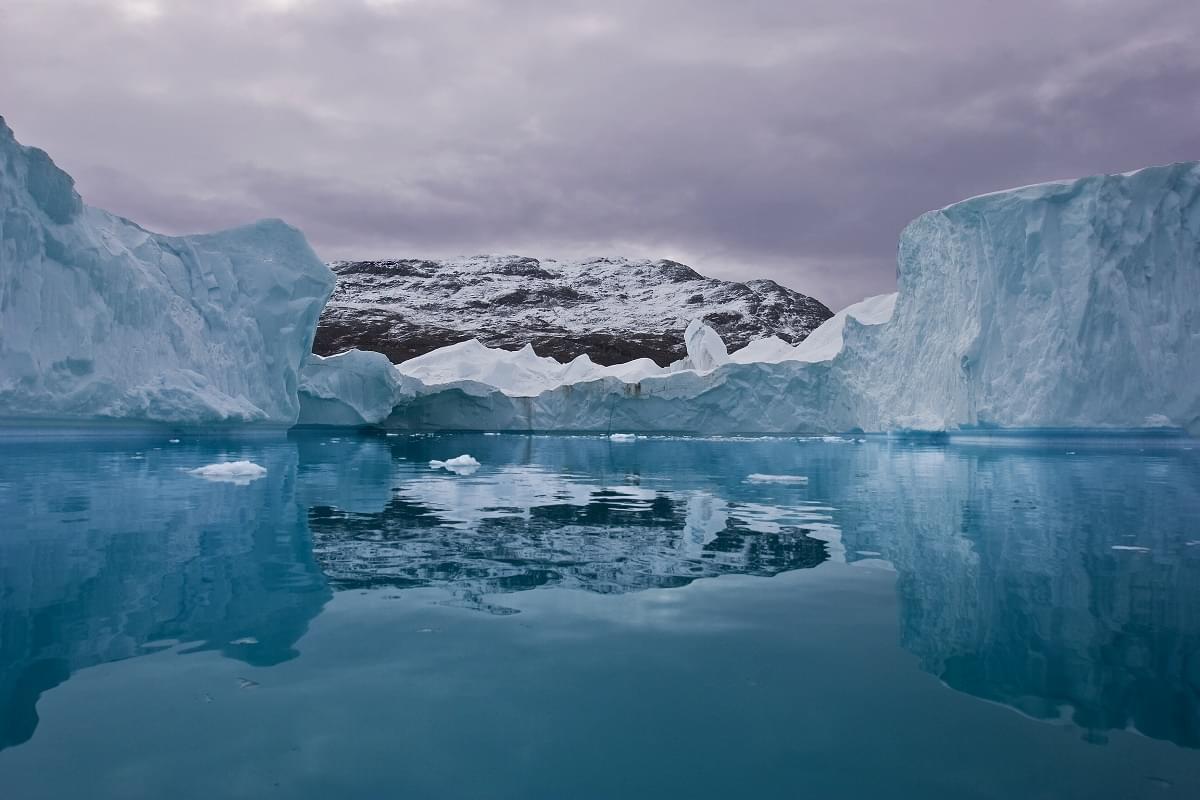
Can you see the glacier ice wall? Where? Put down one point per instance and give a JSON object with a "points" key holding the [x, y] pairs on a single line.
{"points": [[353, 388], [1068, 305], [101, 319], [1073, 304]]}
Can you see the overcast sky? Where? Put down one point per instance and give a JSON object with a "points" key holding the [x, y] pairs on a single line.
{"points": [[759, 138]]}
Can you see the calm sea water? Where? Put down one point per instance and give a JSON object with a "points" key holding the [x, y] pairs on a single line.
{"points": [[588, 619]]}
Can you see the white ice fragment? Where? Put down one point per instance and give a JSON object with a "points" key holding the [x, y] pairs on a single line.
{"points": [[237, 472], [758, 477], [460, 465]]}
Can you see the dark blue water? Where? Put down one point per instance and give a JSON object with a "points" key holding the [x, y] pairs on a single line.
{"points": [[587, 619]]}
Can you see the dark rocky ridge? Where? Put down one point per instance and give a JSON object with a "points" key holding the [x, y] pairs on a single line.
{"points": [[613, 309]]}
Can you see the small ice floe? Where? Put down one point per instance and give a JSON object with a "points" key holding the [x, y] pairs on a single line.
{"points": [[758, 477], [238, 472], [1131, 548], [459, 465], [245, 640], [623, 437]]}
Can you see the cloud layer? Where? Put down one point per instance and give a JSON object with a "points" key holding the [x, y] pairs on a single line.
{"points": [[766, 138]]}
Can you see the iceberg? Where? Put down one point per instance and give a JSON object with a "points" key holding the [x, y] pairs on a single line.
{"points": [[1067, 305], [459, 465], [240, 473], [101, 319], [354, 388], [1073, 304]]}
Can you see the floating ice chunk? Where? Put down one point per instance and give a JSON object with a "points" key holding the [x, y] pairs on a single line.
{"points": [[623, 437], [460, 465], [758, 477], [238, 472]]}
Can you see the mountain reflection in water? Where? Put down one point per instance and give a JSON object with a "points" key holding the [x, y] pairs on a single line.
{"points": [[1062, 581]]}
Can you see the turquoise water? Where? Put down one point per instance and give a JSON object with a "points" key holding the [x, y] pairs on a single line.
{"points": [[588, 619]]}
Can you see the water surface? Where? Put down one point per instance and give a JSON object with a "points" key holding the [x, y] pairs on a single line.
{"points": [[582, 618]]}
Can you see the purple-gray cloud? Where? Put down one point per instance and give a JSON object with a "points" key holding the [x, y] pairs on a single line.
{"points": [[766, 138]]}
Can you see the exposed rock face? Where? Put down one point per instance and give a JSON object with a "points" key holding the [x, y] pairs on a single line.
{"points": [[612, 309]]}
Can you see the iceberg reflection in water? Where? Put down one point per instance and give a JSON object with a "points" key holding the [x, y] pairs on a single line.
{"points": [[1059, 580]]}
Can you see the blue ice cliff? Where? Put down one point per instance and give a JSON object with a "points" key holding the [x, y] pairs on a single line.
{"points": [[103, 320], [1066, 305]]}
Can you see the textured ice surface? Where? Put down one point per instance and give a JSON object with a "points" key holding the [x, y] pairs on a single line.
{"points": [[460, 465], [705, 350], [351, 388], [101, 319], [1074, 304], [239, 472], [825, 346]]}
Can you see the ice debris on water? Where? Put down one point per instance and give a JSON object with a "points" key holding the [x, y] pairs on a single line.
{"points": [[758, 477], [460, 465], [237, 472]]}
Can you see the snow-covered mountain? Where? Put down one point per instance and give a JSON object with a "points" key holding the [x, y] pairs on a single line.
{"points": [[613, 309]]}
